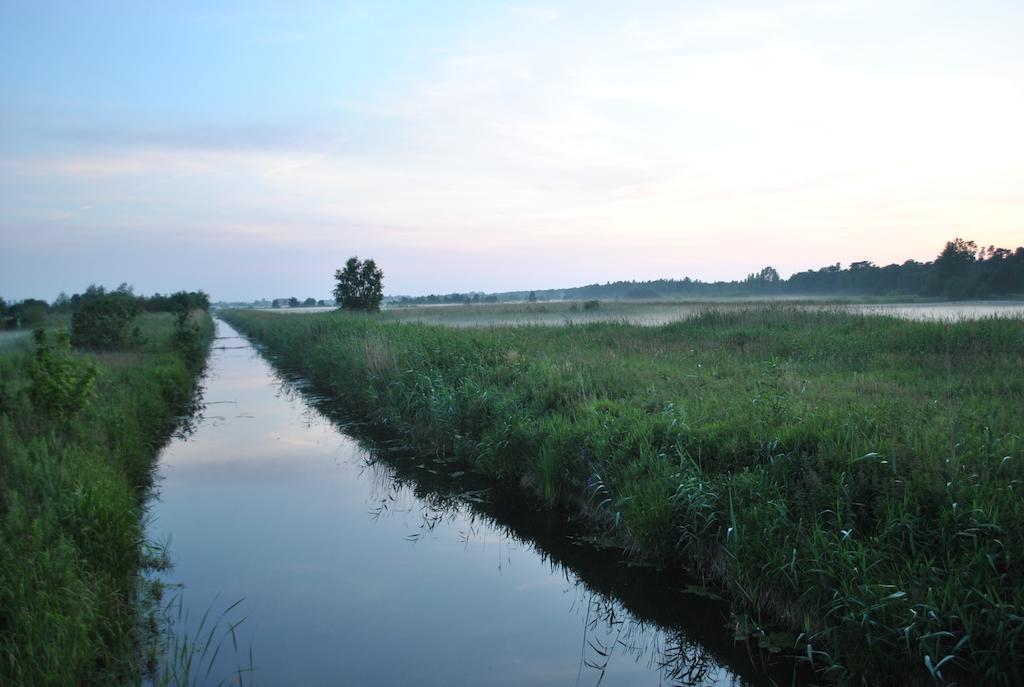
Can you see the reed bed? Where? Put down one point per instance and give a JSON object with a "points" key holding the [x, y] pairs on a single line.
{"points": [[852, 482]]}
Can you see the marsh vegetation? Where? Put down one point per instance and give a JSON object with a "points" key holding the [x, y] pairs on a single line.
{"points": [[849, 481], [79, 432]]}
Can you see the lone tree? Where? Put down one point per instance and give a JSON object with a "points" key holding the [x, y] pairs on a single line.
{"points": [[360, 285]]}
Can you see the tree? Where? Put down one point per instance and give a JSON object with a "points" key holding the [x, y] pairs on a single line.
{"points": [[360, 285], [103, 321], [952, 272], [62, 303], [178, 301], [28, 313]]}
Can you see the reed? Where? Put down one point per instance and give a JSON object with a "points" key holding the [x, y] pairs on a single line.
{"points": [[850, 480]]}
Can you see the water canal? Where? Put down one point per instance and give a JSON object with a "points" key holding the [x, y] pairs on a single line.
{"points": [[358, 564]]}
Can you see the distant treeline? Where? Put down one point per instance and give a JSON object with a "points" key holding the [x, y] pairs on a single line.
{"points": [[451, 298], [960, 271], [32, 311], [294, 302]]}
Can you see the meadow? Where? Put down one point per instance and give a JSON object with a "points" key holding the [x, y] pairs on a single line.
{"points": [[851, 482], [79, 436]]}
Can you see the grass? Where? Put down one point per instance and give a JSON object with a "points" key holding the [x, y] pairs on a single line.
{"points": [[71, 511], [851, 482], [187, 657]]}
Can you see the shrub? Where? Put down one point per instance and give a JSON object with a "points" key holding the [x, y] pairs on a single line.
{"points": [[188, 340], [60, 384], [28, 313], [104, 322]]}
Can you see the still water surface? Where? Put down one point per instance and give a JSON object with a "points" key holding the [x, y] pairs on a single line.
{"points": [[362, 565]]}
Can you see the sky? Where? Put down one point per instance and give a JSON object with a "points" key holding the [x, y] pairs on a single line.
{"points": [[249, 148]]}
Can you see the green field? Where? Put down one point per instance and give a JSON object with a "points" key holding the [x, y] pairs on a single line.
{"points": [[852, 482], [72, 491]]}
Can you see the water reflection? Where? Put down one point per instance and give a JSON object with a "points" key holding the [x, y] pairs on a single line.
{"points": [[435, 496], [608, 630], [363, 564]]}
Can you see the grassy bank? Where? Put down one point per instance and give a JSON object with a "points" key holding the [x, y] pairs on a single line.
{"points": [[72, 488], [854, 480]]}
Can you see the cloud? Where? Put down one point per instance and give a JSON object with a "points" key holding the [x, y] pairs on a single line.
{"points": [[534, 13], [101, 131], [626, 146]]}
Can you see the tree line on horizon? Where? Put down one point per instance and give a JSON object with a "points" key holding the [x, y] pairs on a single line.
{"points": [[32, 311], [960, 271]]}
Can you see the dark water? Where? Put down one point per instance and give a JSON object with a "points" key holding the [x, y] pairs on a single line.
{"points": [[362, 565]]}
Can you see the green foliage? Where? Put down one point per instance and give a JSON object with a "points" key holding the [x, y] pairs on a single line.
{"points": [[27, 313], [104, 322], [188, 339], [591, 305], [360, 285], [851, 479], [952, 272], [179, 300], [175, 302], [71, 503], [31, 312], [60, 383]]}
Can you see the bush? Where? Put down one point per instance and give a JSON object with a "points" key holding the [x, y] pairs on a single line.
{"points": [[60, 384], [104, 322], [188, 340], [28, 313]]}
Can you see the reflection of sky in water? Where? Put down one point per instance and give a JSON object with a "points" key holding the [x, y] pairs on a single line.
{"points": [[268, 501]]}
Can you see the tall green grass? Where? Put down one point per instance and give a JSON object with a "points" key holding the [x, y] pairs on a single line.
{"points": [[71, 506], [184, 654], [854, 480]]}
